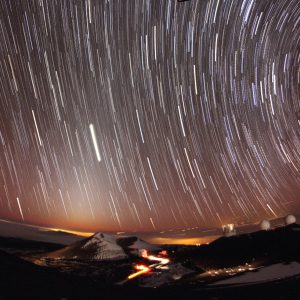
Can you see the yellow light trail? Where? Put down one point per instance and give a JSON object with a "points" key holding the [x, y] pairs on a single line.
{"points": [[162, 261], [142, 269]]}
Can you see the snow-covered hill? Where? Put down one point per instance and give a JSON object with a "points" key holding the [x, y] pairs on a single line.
{"points": [[99, 246], [140, 244], [133, 244], [102, 246]]}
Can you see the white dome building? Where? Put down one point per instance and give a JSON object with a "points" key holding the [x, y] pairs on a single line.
{"points": [[290, 219], [265, 225], [229, 230]]}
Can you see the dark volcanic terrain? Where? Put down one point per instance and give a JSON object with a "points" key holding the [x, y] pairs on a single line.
{"points": [[259, 265]]}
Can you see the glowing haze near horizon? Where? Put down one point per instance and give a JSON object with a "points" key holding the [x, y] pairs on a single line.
{"points": [[149, 115]]}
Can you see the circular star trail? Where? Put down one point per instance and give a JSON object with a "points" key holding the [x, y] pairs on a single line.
{"points": [[149, 115]]}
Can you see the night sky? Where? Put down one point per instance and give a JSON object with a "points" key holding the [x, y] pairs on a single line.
{"points": [[149, 115]]}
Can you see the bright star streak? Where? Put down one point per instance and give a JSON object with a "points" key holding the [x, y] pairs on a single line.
{"points": [[92, 130]]}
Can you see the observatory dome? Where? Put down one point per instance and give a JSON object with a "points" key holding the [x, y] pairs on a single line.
{"points": [[290, 219], [265, 225]]}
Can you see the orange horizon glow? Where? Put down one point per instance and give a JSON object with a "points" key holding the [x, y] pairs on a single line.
{"points": [[80, 233], [155, 238], [182, 241]]}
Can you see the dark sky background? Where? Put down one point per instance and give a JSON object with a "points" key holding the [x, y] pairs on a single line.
{"points": [[149, 115]]}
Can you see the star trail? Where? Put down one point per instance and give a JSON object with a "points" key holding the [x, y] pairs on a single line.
{"points": [[149, 115]]}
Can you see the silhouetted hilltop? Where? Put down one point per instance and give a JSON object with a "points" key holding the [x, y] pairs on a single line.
{"points": [[279, 244], [21, 246]]}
